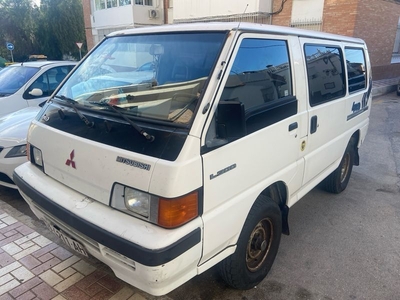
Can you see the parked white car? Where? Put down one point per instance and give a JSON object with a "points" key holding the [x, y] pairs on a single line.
{"points": [[13, 132], [30, 83]]}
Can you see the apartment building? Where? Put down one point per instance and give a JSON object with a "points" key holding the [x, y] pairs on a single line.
{"points": [[375, 21]]}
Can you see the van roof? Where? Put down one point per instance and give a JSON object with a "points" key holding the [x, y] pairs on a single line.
{"points": [[243, 27]]}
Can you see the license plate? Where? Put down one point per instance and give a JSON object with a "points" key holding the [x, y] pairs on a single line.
{"points": [[75, 245]]}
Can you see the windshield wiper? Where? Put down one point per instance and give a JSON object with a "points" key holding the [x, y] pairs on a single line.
{"points": [[141, 131], [73, 104]]}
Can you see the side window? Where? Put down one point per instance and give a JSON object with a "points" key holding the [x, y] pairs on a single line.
{"points": [[48, 81], [326, 80], [260, 73], [356, 70]]}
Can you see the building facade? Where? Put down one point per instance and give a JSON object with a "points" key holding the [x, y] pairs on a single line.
{"points": [[375, 21]]}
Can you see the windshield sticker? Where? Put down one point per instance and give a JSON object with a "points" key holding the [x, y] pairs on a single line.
{"points": [[133, 163]]}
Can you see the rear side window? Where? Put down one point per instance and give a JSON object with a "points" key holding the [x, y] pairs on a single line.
{"points": [[356, 70], [325, 73]]}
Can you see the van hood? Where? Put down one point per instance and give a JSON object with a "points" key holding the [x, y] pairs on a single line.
{"points": [[14, 127]]}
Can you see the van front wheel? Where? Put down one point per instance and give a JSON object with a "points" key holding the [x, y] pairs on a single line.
{"points": [[337, 181], [256, 248]]}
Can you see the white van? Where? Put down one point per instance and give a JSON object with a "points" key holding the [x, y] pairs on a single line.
{"points": [[171, 149]]}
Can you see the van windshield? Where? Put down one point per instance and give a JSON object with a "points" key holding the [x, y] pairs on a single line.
{"points": [[12, 78], [157, 76]]}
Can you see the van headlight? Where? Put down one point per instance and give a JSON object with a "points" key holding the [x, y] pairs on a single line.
{"points": [[166, 212], [17, 151]]}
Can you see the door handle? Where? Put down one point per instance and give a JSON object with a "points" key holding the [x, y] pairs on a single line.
{"points": [[293, 126], [314, 124]]}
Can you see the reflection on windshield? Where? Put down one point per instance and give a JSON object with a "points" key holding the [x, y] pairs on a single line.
{"points": [[12, 78], [151, 76]]}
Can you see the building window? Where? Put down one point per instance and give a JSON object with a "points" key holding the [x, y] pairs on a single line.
{"points": [[326, 80], [144, 2], [100, 4], [111, 3], [125, 2]]}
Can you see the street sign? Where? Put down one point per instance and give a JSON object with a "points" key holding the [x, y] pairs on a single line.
{"points": [[10, 46], [79, 45]]}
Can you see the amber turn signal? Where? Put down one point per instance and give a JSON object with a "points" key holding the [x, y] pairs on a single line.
{"points": [[178, 211]]}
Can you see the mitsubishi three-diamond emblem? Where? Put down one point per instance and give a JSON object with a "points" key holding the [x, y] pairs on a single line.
{"points": [[70, 161]]}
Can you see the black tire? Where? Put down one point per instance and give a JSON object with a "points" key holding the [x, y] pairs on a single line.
{"points": [[256, 248], [337, 181]]}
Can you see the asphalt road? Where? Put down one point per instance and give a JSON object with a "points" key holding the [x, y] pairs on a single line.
{"points": [[343, 246]]}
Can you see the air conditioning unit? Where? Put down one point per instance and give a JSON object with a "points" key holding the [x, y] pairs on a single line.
{"points": [[154, 13]]}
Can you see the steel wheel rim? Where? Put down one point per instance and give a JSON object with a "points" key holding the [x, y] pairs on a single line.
{"points": [[345, 167], [259, 245]]}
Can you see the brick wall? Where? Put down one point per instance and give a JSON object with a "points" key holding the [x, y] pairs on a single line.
{"points": [[88, 24], [339, 16], [283, 18], [377, 24]]}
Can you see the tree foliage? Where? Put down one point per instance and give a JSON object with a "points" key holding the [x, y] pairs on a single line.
{"points": [[53, 28]]}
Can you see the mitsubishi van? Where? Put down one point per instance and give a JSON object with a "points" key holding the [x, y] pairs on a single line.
{"points": [[172, 149]]}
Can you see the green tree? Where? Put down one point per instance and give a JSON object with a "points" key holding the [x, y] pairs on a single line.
{"points": [[17, 25], [60, 26]]}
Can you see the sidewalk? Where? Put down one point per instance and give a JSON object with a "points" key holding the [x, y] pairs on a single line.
{"points": [[384, 86], [34, 267]]}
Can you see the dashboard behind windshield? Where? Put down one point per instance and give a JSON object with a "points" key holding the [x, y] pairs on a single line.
{"points": [[157, 76]]}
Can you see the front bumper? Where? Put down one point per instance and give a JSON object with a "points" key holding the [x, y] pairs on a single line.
{"points": [[151, 258]]}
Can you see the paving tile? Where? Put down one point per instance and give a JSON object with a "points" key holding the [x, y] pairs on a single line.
{"points": [[83, 267], [67, 272], [42, 241], [30, 262], [24, 230], [2, 225], [22, 274], [137, 297], [27, 238], [11, 227], [10, 239], [2, 237], [5, 278], [25, 287], [11, 248], [27, 244], [45, 266], [6, 297], [73, 293], [123, 294], [27, 296], [3, 215], [4, 288], [51, 278], [26, 252], [58, 297], [10, 233], [111, 283], [91, 279], [61, 253], [6, 259], [44, 291], [65, 264], [103, 295], [46, 257], [44, 250], [93, 289], [66, 283], [9, 220], [9, 268]]}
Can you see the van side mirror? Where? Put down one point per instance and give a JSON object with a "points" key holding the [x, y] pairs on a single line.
{"points": [[231, 123]]}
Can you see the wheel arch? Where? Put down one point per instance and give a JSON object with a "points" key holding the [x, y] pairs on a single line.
{"points": [[279, 194], [355, 140]]}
